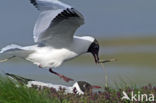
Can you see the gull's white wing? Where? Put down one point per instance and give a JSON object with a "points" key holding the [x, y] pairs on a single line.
{"points": [[57, 21]]}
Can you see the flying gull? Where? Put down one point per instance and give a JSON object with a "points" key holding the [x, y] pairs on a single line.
{"points": [[54, 37]]}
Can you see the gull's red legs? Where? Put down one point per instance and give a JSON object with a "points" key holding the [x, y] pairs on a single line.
{"points": [[60, 75]]}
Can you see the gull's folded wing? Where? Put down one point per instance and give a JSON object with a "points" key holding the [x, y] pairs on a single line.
{"points": [[57, 21]]}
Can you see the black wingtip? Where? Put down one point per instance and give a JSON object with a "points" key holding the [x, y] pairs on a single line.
{"points": [[19, 78], [33, 2], [8, 74], [65, 14]]}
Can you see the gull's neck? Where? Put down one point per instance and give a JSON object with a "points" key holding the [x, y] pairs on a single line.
{"points": [[88, 39], [81, 44]]}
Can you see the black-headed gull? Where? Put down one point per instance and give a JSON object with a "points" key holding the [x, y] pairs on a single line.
{"points": [[79, 87], [54, 35]]}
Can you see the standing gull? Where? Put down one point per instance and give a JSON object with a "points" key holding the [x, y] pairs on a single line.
{"points": [[54, 37]]}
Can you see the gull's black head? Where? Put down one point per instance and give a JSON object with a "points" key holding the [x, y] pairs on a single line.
{"points": [[94, 49], [80, 87], [84, 86]]}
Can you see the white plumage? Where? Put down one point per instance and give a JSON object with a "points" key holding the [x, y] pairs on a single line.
{"points": [[68, 89]]}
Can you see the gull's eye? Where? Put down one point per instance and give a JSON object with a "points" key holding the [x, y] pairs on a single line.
{"points": [[84, 86]]}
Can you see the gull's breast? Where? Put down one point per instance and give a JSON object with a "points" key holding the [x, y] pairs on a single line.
{"points": [[49, 57]]}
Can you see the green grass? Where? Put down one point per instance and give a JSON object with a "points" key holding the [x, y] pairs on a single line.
{"points": [[9, 93]]}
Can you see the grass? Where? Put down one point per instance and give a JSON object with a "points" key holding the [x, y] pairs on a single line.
{"points": [[10, 93]]}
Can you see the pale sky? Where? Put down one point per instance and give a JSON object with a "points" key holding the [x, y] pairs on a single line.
{"points": [[106, 18]]}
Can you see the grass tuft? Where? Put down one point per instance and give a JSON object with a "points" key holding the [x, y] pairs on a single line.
{"points": [[10, 93]]}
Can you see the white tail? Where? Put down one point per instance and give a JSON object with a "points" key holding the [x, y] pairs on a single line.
{"points": [[12, 51]]}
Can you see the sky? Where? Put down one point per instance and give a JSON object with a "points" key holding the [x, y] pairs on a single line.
{"points": [[103, 18]]}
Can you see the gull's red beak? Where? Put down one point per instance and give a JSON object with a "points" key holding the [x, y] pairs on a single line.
{"points": [[95, 87]]}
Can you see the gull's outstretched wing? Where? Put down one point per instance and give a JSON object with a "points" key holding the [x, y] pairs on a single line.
{"points": [[57, 21]]}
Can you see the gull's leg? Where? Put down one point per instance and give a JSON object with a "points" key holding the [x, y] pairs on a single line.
{"points": [[60, 75]]}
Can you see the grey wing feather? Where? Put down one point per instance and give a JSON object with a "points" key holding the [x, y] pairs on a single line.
{"points": [[57, 22], [58, 25], [43, 22]]}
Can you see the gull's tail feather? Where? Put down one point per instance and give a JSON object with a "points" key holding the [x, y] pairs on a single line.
{"points": [[12, 51], [19, 79]]}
